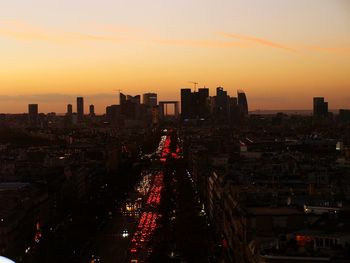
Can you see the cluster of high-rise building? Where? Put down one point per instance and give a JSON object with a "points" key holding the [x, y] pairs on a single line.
{"points": [[320, 107], [199, 105], [321, 111], [131, 111], [195, 105], [73, 117]]}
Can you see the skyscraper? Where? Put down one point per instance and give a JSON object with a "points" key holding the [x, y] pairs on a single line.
{"points": [[194, 104], [113, 113], [185, 103], [344, 115], [128, 98], [242, 102], [122, 98], [91, 110], [203, 103], [221, 103], [320, 107], [134, 99], [150, 100], [33, 115], [69, 109], [80, 108], [130, 106]]}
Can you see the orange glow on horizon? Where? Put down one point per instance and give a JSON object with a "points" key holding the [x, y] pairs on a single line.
{"points": [[281, 60]]}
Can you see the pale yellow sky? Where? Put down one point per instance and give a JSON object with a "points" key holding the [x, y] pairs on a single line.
{"points": [[282, 53]]}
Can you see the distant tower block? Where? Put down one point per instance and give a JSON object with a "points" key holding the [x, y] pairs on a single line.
{"points": [[69, 109], [242, 101], [92, 110], [320, 107], [150, 99], [163, 108], [33, 114], [80, 108]]}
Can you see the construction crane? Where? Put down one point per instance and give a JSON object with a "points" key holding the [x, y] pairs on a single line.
{"points": [[194, 84]]}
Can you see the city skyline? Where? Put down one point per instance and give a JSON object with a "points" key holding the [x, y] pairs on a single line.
{"points": [[281, 53], [64, 103]]}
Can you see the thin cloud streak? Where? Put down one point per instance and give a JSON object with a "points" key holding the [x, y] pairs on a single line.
{"points": [[24, 31], [259, 41], [329, 49], [110, 28], [269, 43], [200, 43], [89, 37]]}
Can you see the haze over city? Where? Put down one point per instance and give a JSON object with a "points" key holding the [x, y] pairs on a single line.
{"points": [[282, 53]]}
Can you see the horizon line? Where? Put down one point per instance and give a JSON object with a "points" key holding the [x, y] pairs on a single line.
{"points": [[250, 111]]}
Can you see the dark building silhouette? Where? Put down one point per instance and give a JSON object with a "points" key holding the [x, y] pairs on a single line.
{"points": [[155, 115], [233, 101], [233, 108], [237, 113], [134, 99], [91, 110], [344, 115], [320, 107], [69, 109], [221, 107], [122, 98], [203, 103], [242, 102], [150, 99], [113, 113], [186, 97], [68, 120], [33, 115], [130, 106], [221, 100], [128, 98], [80, 108], [195, 104]]}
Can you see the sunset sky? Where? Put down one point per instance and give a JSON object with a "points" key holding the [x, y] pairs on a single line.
{"points": [[281, 52]]}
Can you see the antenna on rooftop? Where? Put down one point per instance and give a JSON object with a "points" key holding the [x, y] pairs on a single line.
{"points": [[194, 84]]}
